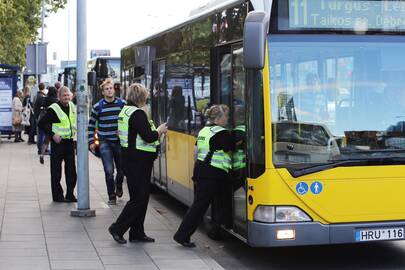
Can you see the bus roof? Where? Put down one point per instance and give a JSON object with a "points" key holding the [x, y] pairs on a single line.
{"points": [[211, 7]]}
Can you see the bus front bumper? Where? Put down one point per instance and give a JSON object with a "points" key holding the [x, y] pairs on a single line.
{"points": [[311, 233]]}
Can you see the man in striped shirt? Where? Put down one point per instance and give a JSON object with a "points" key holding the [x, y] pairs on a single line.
{"points": [[104, 118]]}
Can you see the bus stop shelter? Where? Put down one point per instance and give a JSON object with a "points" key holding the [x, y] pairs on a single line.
{"points": [[8, 89]]}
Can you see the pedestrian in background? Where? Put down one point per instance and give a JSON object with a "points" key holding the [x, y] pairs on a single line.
{"points": [[57, 86], [59, 123], [211, 170], [104, 118], [39, 111], [17, 116], [139, 140], [50, 99], [29, 113]]}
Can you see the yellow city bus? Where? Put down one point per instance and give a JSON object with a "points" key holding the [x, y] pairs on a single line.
{"points": [[316, 90]]}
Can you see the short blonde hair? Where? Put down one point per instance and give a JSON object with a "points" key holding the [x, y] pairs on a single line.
{"points": [[62, 91], [106, 81], [137, 94], [216, 111]]}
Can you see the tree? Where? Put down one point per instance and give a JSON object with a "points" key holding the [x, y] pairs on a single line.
{"points": [[19, 24]]}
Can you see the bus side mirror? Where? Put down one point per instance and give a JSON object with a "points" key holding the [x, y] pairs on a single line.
{"points": [[254, 39], [91, 78]]}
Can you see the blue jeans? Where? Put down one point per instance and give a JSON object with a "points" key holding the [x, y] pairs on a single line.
{"points": [[110, 152], [40, 140]]}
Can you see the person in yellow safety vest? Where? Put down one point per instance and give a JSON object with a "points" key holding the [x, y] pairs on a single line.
{"points": [[59, 123], [139, 140], [211, 170]]}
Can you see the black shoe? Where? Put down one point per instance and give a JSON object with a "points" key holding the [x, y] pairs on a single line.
{"points": [[118, 238], [62, 200], [112, 199], [21, 140], [32, 142], [118, 191], [41, 159], [187, 244], [71, 198], [144, 239]]}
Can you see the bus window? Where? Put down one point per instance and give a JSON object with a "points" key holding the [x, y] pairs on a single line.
{"points": [[226, 78], [202, 97], [335, 91]]}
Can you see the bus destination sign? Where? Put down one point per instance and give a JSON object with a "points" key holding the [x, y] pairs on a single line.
{"points": [[372, 15]]}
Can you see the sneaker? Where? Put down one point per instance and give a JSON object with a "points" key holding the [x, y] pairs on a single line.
{"points": [[118, 191], [112, 199], [41, 159]]}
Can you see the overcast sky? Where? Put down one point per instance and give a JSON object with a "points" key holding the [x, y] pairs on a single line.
{"points": [[112, 24]]}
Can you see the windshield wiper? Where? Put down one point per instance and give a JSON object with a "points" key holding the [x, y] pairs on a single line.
{"points": [[348, 162]]}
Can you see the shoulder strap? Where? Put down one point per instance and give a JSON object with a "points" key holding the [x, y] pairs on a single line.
{"points": [[216, 129]]}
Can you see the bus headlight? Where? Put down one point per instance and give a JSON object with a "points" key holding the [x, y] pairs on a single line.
{"points": [[264, 213], [291, 214], [279, 214]]}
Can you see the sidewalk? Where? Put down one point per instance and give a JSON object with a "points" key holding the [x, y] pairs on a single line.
{"points": [[37, 234]]}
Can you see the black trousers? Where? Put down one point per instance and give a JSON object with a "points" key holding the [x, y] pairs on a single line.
{"points": [[64, 151], [206, 190], [138, 173]]}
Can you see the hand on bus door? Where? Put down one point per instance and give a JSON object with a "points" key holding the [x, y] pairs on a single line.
{"points": [[162, 129]]}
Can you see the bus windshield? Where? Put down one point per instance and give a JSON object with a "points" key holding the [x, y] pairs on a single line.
{"points": [[335, 98]]}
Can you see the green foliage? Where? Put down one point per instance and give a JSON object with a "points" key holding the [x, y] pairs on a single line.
{"points": [[19, 23]]}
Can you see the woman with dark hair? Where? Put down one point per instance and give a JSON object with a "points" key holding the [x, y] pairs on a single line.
{"points": [[176, 108], [51, 98]]}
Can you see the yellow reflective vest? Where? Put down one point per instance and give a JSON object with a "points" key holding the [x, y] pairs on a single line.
{"points": [[239, 156], [220, 159], [123, 131], [66, 128]]}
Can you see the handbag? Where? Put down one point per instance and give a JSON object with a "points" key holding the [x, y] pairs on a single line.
{"points": [[26, 114], [16, 120]]}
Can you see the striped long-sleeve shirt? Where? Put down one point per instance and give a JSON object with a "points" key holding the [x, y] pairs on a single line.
{"points": [[105, 120]]}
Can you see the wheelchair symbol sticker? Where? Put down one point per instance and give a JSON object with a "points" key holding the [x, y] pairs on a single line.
{"points": [[316, 188], [302, 188]]}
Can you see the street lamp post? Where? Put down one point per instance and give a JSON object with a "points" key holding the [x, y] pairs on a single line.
{"points": [[83, 205]]}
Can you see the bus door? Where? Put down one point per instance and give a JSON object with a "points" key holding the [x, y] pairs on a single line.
{"points": [[158, 98], [231, 91]]}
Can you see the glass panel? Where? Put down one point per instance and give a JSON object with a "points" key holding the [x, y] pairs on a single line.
{"points": [[239, 134], [337, 98], [226, 78], [180, 99], [202, 98]]}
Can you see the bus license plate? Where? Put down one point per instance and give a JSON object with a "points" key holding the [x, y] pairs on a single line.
{"points": [[379, 234]]}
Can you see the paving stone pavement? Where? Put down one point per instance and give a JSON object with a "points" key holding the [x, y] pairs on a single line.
{"points": [[37, 234]]}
